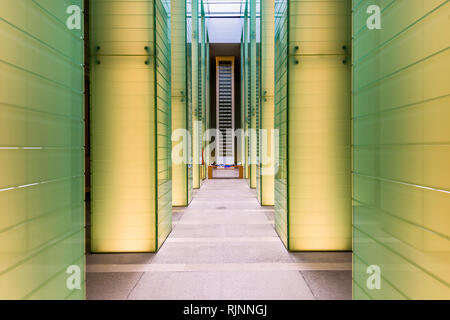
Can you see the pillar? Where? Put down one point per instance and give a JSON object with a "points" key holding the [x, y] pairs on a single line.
{"points": [[131, 125], [312, 113]]}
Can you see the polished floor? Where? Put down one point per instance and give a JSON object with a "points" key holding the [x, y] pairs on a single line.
{"points": [[223, 246]]}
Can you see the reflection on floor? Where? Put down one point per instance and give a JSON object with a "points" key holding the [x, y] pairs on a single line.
{"points": [[223, 246]]}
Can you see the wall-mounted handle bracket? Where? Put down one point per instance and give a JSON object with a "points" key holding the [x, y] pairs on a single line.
{"points": [[147, 49], [97, 49]]}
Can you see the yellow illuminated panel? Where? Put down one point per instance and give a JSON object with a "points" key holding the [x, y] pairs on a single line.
{"points": [[319, 108], [179, 101], [267, 146], [131, 173], [253, 95], [196, 102]]}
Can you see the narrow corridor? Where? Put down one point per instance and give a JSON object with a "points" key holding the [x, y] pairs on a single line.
{"points": [[223, 246]]}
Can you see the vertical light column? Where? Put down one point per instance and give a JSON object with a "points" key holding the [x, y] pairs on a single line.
{"points": [[281, 215], [189, 90], [258, 101], [179, 103], [319, 102], [401, 150], [267, 150], [208, 105], [196, 126], [41, 150], [163, 116], [241, 151], [203, 89], [131, 127], [245, 84], [253, 95], [317, 127]]}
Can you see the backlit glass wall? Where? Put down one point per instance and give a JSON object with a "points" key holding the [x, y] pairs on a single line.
{"points": [[266, 142], [179, 104], [163, 124], [280, 119], [205, 83], [189, 89], [245, 91], [131, 125], [401, 149], [207, 156], [253, 107], [241, 143], [201, 88], [196, 102], [313, 189], [41, 150], [247, 84], [258, 102]]}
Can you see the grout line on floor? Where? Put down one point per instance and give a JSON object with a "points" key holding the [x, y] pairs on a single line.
{"points": [[219, 267], [223, 239], [270, 222], [134, 286]]}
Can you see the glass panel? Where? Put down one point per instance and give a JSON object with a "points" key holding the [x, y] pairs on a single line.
{"points": [[280, 120], [41, 151], [241, 151], [247, 88], [266, 142], [208, 104], [131, 182], [179, 103], [253, 94], [319, 108], [163, 119], [401, 150], [202, 89], [196, 98], [189, 77]]}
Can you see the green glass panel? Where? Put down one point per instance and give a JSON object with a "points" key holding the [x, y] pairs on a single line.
{"points": [[189, 77], [163, 119], [241, 152], [247, 88], [208, 104], [253, 94], [179, 103], [41, 150], [258, 103], [313, 187], [280, 119], [319, 134], [131, 125], [401, 150], [196, 99], [266, 140], [203, 88], [244, 92]]}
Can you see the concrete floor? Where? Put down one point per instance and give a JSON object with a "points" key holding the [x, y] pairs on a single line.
{"points": [[223, 246]]}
